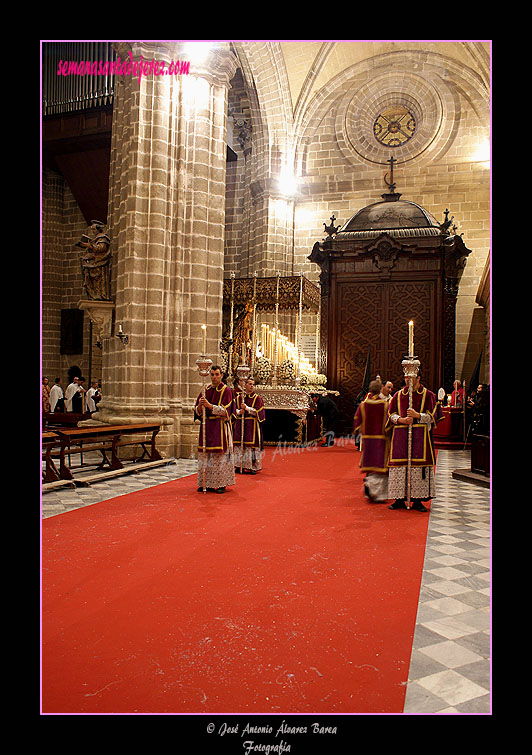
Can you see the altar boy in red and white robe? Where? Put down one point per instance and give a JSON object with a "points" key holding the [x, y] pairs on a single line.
{"points": [[370, 421], [249, 411], [425, 413], [217, 461]]}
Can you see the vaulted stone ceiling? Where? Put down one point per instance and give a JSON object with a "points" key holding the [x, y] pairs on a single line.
{"points": [[298, 84], [322, 61]]}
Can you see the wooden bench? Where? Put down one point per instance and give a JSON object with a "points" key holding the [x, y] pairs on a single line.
{"points": [[103, 438], [53, 420], [49, 441]]}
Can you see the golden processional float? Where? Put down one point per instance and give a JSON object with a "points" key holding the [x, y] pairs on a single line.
{"points": [[284, 375]]}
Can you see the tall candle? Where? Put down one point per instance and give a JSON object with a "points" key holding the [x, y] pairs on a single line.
{"points": [[411, 338], [204, 328]]}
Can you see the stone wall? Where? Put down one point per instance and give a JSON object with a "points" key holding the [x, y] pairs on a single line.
{"points": [[63, 225]]}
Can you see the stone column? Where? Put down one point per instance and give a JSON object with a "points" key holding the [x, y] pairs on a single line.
{"points": [[52, 265], [166, 222]]}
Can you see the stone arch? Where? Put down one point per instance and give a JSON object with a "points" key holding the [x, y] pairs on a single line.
{"points": [[430, 82], [264, 70], [267, 241]]}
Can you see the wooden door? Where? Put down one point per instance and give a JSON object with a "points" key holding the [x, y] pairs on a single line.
{"points": [[368, 316]]}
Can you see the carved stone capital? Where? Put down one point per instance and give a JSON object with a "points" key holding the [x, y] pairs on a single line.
{"points": [[100, 314]]}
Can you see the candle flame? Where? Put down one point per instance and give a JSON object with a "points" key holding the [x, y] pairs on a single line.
{"points": [[411, 322], [204, 327]]}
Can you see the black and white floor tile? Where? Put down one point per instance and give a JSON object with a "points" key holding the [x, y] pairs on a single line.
{"points": [[450, 664], [62, 499]]}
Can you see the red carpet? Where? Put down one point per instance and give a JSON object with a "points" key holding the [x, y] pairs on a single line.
{"points": [[288, 594]]}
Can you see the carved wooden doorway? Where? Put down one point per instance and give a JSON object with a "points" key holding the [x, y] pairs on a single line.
{"points": [[372, 317]]}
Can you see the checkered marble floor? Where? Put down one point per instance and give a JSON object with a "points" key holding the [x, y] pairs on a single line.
{"points": [[63, 499], [450, 663]]}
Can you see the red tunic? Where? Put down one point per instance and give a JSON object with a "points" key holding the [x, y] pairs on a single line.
{"points": [[371, 418], [423, 401], [251, 421], [217, 427], [457, 397]]}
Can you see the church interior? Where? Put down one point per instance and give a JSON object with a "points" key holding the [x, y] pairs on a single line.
{"points": [[311, 213]]}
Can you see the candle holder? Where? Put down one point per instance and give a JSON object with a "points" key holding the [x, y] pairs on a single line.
{"points": [[243, 371], [411, 365], [122, 336], [204, 365]]}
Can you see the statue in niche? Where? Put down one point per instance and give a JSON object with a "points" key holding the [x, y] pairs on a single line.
{"points": [[242, 334], [96, 262]]}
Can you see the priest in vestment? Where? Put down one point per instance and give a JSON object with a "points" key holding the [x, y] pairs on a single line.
{"points": [[371, 419], [217, 461], [71, 394], [92, 394], [457, 396], [386, 390], [57, 397], [249, 411], [425, 413]]}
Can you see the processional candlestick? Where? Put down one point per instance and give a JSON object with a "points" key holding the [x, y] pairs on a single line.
{"points": [[276, 345], [242, 372], [411, 365], [254, 324], [204, 365], [299, 324], [230, 359]]}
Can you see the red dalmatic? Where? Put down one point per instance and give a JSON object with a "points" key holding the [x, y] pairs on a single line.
{"points": [[217, 426], [252, 420], [425, 402]]}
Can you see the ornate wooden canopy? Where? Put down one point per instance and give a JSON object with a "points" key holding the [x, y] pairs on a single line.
{"points": [[266, 293]]}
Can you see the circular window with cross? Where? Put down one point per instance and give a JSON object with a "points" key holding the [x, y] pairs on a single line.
{"points": [[394, 126]]}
